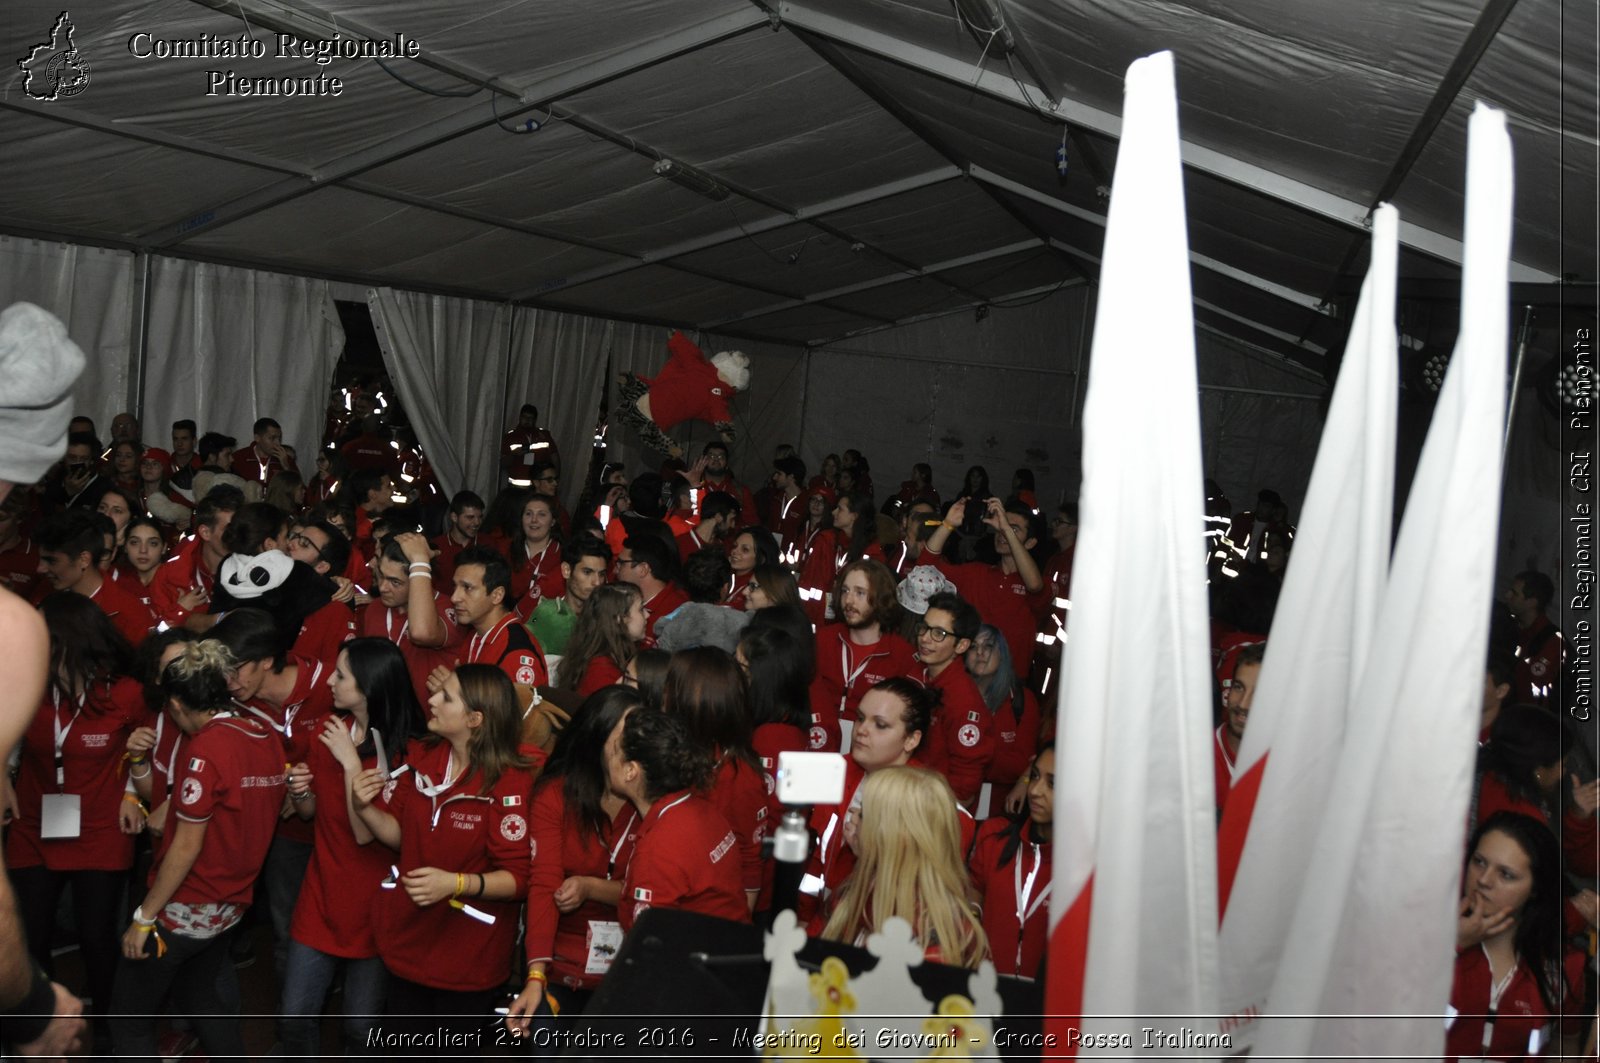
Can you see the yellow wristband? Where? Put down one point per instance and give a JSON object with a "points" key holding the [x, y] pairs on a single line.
{"points": [[461, 884], [536, 974]]}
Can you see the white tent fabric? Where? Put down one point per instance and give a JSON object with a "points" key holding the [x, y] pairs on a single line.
{"points": [[230, 345], [91, 290], [1315, 655], [447, 358], [558, 363], [1375, 926]]}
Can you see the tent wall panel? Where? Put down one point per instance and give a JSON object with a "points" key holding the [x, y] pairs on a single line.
{"points": [[91, 290]]}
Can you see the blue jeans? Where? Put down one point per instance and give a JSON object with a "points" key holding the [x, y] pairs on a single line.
{"points": [[305, 987], [281, 877]]}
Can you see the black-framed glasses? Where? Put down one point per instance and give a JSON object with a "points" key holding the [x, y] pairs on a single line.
{"points": [[938, 634]]}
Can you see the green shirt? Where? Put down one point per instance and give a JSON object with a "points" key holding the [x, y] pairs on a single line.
{"points": [[551, 625]]}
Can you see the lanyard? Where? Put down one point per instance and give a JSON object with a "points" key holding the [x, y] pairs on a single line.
{"points": [[788, 504], [62, 732], [1026, 911], [1496, 991], [480, 642], [850, 677], [622, 837], [1224, 748], [177, 743], [388, 626], [538, 567]]}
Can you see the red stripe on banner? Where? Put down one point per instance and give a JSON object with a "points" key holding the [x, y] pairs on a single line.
{"points": [[1064, 975], [1236, 814]]}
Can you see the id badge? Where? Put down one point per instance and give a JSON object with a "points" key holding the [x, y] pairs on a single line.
{"points": [[604, 938], [60, 817]]}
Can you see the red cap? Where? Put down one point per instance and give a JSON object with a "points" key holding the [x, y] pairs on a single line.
{"points": [[156, 454]]}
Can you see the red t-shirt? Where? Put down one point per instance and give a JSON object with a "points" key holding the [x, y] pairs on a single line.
{"points": [[509, 647], [1015, 897], [770, 740], [739, 792], [1221, 766], [124, 609], [686, 857], [297, 722], [177, 576], [457, 830], [1002, 599], [444, 563], [846, 671], [324, 631], [665, 602], [1521, 1013], [19, 568], [248, 466], [382, 622], [960, 744], [1016, 740], [827, 554], [734, 490], [600, 673], [94, 735], [231, 778], [334, 911], [562, 849]]}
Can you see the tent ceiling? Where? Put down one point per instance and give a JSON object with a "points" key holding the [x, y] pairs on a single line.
{"points": [[885, 164]]}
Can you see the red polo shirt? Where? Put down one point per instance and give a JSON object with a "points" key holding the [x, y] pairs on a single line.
{"points": [[686, 857], [125, 610], [380, 621], [960, 745], [846, 671]]}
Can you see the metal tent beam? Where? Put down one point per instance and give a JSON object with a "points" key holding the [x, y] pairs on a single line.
{"points": [[469, 119], [1003, 86]]}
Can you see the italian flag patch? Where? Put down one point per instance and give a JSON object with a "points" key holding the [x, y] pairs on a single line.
{"points": [[511, 801], [641, 894]]}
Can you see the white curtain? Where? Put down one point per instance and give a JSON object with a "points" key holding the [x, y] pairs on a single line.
{"points": [[229, 345], [558, 363], [91, 290], [448, 358]]}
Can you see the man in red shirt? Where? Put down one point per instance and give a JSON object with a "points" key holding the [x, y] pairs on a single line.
{"points": [[410, 613], [525, 446], [854, 655], [645, 562], [906, 555], [1540, 649], [1010, 595], [719, 515], [1235, 714], [71, 546], [961, 743], [482, 585], [19, 557], [183, 454], [265, 457], [184, 582], [787, 513], [718, 477], [462, 525]]}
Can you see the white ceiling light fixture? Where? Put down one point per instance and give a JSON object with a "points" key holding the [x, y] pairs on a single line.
{"points": [[694, 180]]}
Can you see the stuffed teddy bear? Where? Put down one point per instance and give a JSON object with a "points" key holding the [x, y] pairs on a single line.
{"points": [[690, 387]]}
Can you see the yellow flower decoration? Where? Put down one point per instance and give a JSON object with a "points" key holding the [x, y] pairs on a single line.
{"points": [[957, 1021], [830, 988]]}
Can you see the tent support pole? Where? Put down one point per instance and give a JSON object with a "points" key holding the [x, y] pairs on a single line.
{"points": [[139, 330], [1516, 382]]}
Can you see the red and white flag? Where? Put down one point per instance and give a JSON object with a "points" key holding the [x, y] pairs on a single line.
{"points": [[1368, 972], [1318, 645], [1133, 914]]}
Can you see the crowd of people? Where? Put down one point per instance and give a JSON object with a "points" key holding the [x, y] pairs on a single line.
{"points": [[447, 749]]}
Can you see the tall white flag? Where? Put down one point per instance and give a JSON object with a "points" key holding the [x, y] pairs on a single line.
{"points": [[1133, 913], [1315, 653], [1375, 927]]}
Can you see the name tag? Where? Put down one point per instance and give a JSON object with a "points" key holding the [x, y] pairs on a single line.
{"points": [[604, 939], [60, 817]]}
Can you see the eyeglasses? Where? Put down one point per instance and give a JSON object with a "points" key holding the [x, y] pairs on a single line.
{"points": [[938, 634], [621, 561]]}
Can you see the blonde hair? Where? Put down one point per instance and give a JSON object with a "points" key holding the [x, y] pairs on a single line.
{"points": [[911, 866]]}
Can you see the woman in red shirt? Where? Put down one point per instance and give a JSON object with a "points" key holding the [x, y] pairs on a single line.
{"points": [[69, 790], [377, 710], [605, 638], [1016, 715], [1513, 971], [229, 790], [536, 555], [910, 865], [1011, 868], [685, 855], [583, 839], [446, 922], [706, 689], [854, 537]]}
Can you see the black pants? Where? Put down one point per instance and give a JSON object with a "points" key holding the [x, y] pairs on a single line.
{"points": [[97, 909], [199, 975], [416, 1009]]}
